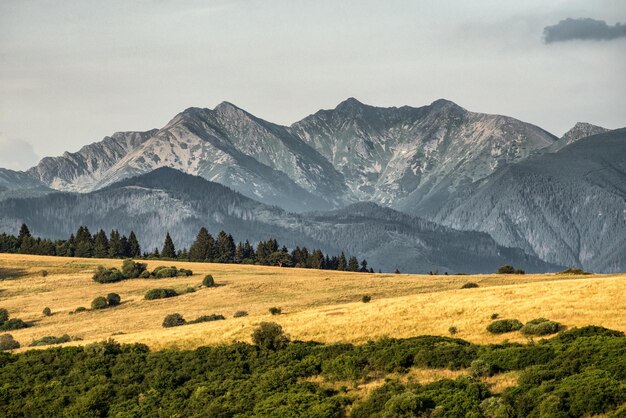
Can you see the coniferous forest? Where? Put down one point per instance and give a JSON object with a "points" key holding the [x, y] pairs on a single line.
{"points": [[205, 248]]}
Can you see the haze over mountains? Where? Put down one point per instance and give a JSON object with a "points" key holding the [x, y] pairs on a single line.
{"points": [[469, 171]]}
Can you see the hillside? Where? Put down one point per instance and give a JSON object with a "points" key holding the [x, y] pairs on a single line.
{"points": [[565, 207], [317, 305], [169, 200]]}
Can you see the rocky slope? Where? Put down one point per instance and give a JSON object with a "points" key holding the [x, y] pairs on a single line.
{"points": [[169, 200], [579, 131], [567, 207]]}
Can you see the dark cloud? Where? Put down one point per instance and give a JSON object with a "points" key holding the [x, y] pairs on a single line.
{"points": [[584, 28]]}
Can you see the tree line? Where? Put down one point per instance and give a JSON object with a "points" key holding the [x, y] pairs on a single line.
{"points": [[205, 248]]}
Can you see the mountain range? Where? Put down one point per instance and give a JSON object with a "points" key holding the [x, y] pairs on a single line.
{"points": [[437, 163]]}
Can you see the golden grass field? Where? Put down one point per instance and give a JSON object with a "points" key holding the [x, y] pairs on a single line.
{"points": [[317, 305]]}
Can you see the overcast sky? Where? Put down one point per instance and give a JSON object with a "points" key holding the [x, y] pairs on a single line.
{"points": [[72, 72]]}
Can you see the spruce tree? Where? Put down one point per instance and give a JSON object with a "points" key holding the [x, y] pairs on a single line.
{"points": [[101, 245], [84, 243], [353, 264], [317, 259], [201, 247], [133, 245], [24, 234], [225, 248], [364, 266], [341, 262], [115, 244], [168, 251]]}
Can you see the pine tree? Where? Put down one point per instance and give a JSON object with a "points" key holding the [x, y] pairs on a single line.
{"points": [[168, 251], [317, 259], [24, 234], [133, 245], [364, 266], [101, 245], [341, 262], [84, 243], [353, 264], [201, 247], [115, 244], [225, 248], [125, 247]]}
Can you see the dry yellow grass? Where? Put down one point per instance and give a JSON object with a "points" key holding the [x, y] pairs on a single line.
{"points": [[317, 305]]}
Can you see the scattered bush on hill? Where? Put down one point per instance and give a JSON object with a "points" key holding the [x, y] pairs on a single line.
{"points": [[132, 270], [99, 303], [44, 273], [502, 326], [495, 316], [206, 318], [173, 320], [208, 281], [453, 330], [276, 311], [80, 309], [49, 340], [240, 314], [189, 289], [366, 298], [104, 275], [47, 311], [540, 326], [573, 270], [9, 324], [153, 294], [270, 336], [469, 285], [8, 343], [113, 299], [508, 269]]}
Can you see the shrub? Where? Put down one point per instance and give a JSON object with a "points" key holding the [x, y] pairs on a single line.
{"points": [[207, 318], [153, 294], [47, 311], [44, 273], [132, 270], [494, 316], [480, 368], [208, 281], [163, 272], [173, 320], [80, 309], [113, 299], [190, 290], [469, 285], [275, 311], [48, 340], [4, 316], [508, 269], [573, 270], [240, 314], [270, 336], [145, 275], [103, 275], [8, 343], [184, 272], [453, 330], [540, 326], [503, 326], [99, 303], [366, 298]]}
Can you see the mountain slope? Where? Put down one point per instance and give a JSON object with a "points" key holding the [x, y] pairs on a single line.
{"points": [[169, 200], [410, 158], [579, 131], [567, 207], [20, 184]]}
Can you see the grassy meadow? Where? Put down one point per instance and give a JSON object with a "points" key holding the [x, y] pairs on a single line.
{"points": [[318, 305]]}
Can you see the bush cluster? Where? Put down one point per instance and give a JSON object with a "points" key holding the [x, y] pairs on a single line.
{"points": [[208, 281], [163, 272], [240, 314], [275, 311], [49, 340], [176, 320], [8, 343], [134, 270], [103, 302], [153, 294], [469, 285], [508, 269], [502, 326], [47, 311], [366, 298], [8, 324], [540, 326]]}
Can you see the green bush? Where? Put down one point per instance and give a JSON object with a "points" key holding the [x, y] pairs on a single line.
{"points": [[49, 340], [113, 299], [99, 303], [453, 330], [270, 336], [469, 285], [173, 320], [4, 316], [184, 273], [240, 314], [145, 275], [495, 316], [9, 324], [44, 273], [508, 269], [80, 309], [163, 272], [540, 326], [275, 311], [207, 318], [573, 270], [366, 298], [504, 325], [132, 270], [190, 289], [104, 275], [208, 281], [153, 294], [8, 343], [47, 311], [480, 368]]}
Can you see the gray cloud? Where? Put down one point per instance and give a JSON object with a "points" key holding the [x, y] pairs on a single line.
{"points": [[16, 154], [584, 29]]}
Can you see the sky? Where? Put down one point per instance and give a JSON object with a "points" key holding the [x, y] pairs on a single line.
{"points": [[73, 72]]}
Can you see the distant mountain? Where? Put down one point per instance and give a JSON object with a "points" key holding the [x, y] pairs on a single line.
{"points": [[412, 158], [169, 200], [567, 207], [579, 131], [20, 184]]}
